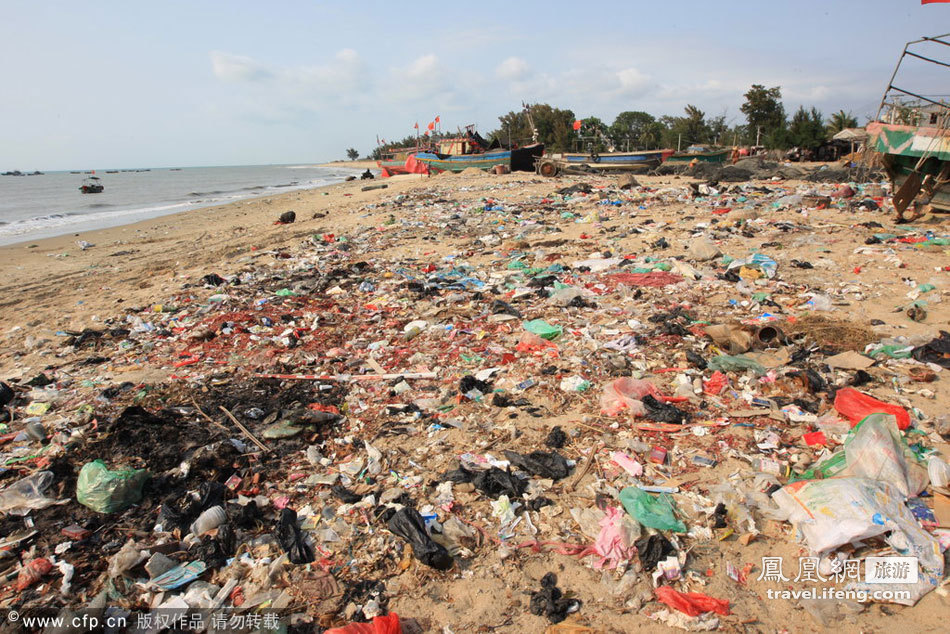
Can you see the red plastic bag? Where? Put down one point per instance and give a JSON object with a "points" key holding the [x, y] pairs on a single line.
{"points": [[388, 624], [856, 406], [715, 384], [691, 603]]}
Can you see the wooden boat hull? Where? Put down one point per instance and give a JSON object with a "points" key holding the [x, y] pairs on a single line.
{"points": [[91, 189], [685, 158], [903, 148], [518, 160], [616, 160]]}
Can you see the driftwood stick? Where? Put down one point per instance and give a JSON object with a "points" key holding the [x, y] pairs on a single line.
{"points": [[245, 430]]}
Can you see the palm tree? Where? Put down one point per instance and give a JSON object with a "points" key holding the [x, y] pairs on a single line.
{"points": [[840, 121]]}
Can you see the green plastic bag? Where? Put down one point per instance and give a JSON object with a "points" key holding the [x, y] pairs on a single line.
{"points": [[107, 491], [655, 512], [543, 329], [726, 363]]}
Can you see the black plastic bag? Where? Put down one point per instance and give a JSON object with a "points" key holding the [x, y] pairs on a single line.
{"points": [[696, 359], [408, 524], [179, 511], [549, 601], [663, 412], [652, 550], [291, 539], [215, 551], [499, 307], [213, 279], [344, 495], [936, 351], [540, 463], [6, 394], [556, 438], [469, 383], [495, 482]]}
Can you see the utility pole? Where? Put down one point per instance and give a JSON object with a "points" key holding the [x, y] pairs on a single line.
{"points": [[758, 133], [679, 142]]}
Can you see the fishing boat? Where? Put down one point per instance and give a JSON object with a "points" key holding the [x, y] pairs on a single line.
{"points": [[393, 161], [471, 150], [699, 154], [639, 161], [91, 185], [912, 132]]}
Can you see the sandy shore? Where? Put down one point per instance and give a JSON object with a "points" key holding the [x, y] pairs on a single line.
{"points": [[52, 285]]}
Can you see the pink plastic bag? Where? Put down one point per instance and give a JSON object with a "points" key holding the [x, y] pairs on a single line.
{"points": [[615, 544], [856, 406], [626, 393], [531, 342]]}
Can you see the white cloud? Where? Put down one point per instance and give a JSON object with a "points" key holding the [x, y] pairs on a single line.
{"points": [[632, 82], [425, 79], [237, 68], [341, 76], [513, 69]]}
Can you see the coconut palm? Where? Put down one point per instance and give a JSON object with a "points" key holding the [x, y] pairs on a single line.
{"points": [[840, 121]]}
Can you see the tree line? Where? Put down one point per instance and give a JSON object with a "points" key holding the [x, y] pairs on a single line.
{"points": [[766, 123]]}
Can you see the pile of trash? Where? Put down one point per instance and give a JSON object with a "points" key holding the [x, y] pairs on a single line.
{"points": [[477, 380]]}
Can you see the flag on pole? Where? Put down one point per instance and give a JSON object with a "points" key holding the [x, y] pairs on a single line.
{"points": [[416, 126], [437, 120], [432, 125], [577, 124], [932, 1]]}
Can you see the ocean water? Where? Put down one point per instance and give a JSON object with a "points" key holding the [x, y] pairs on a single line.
{"points": [[51, 204]]}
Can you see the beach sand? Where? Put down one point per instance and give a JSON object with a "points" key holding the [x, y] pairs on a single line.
{"points": [[51, 285]]}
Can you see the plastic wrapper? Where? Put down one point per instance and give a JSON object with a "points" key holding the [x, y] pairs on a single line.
{"points": [[856, 406], [837, 511], [408, 524], [106, 491], [874, 449], [24, 495], [655, 512]]}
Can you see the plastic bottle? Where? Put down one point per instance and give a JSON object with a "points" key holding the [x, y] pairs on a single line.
{"points": [[209, 520]]}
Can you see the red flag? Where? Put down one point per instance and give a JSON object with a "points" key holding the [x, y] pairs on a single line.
{"points": [[437, 120], [431, 125], [577, 124], [932, 1], [416, 126]]}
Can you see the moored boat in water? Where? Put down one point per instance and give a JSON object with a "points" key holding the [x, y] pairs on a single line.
{"points": [[91, 185]]}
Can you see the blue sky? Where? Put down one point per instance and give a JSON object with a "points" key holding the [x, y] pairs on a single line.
{"points": [[110, 84]]}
